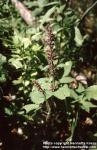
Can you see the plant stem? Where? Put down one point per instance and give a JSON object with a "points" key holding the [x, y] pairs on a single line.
{"points": [[48, 110], [87, 11], [73, 126]]}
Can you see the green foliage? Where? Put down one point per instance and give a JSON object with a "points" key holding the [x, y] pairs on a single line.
{"points": [[78, 37], [2, 68], [91, 92], [62, 92], [24, 58], [31, 107], [67, 68]]}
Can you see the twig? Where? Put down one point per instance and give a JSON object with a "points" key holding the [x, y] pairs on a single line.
{"points": [[24, 12], [87, 11]]}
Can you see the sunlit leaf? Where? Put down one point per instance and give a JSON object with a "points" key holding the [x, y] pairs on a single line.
{"points": [[26, 42], [62, 92], [46, 17], [66, 79], [78, 37], [49, 94], [2, 77], [42, 3], [67, 68], [80, 88], [16, 63], [2, 59], [8, 111], [86, 105], [45, 83], [52, 3], [91, 92], [37, 97], [30, 107]]}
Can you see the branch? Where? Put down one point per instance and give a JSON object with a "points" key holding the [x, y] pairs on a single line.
{"points": [[24, 12], [87, 11]]}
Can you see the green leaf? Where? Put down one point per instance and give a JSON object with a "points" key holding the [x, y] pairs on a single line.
{"points": [[17, 38], [61, 65], [2, 69], [26, 83], [49, 94], [67, 68], [80, 88], [95, 134], [31, 4], [73, 94], [2, 59], [26, 42], [45, 83], [18, 81], [36, 47], [2, 77], [86, 105], [46, 17], [52, 3], [8, 111], [91, 92], [42, 3], [30, 107], [62, 92], [16, 63], [78, 37], [37, 11], [37, 97], [66, 79], [36, 37]]}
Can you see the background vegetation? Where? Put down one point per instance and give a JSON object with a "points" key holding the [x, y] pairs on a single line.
{"points": [[48, 72]]}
